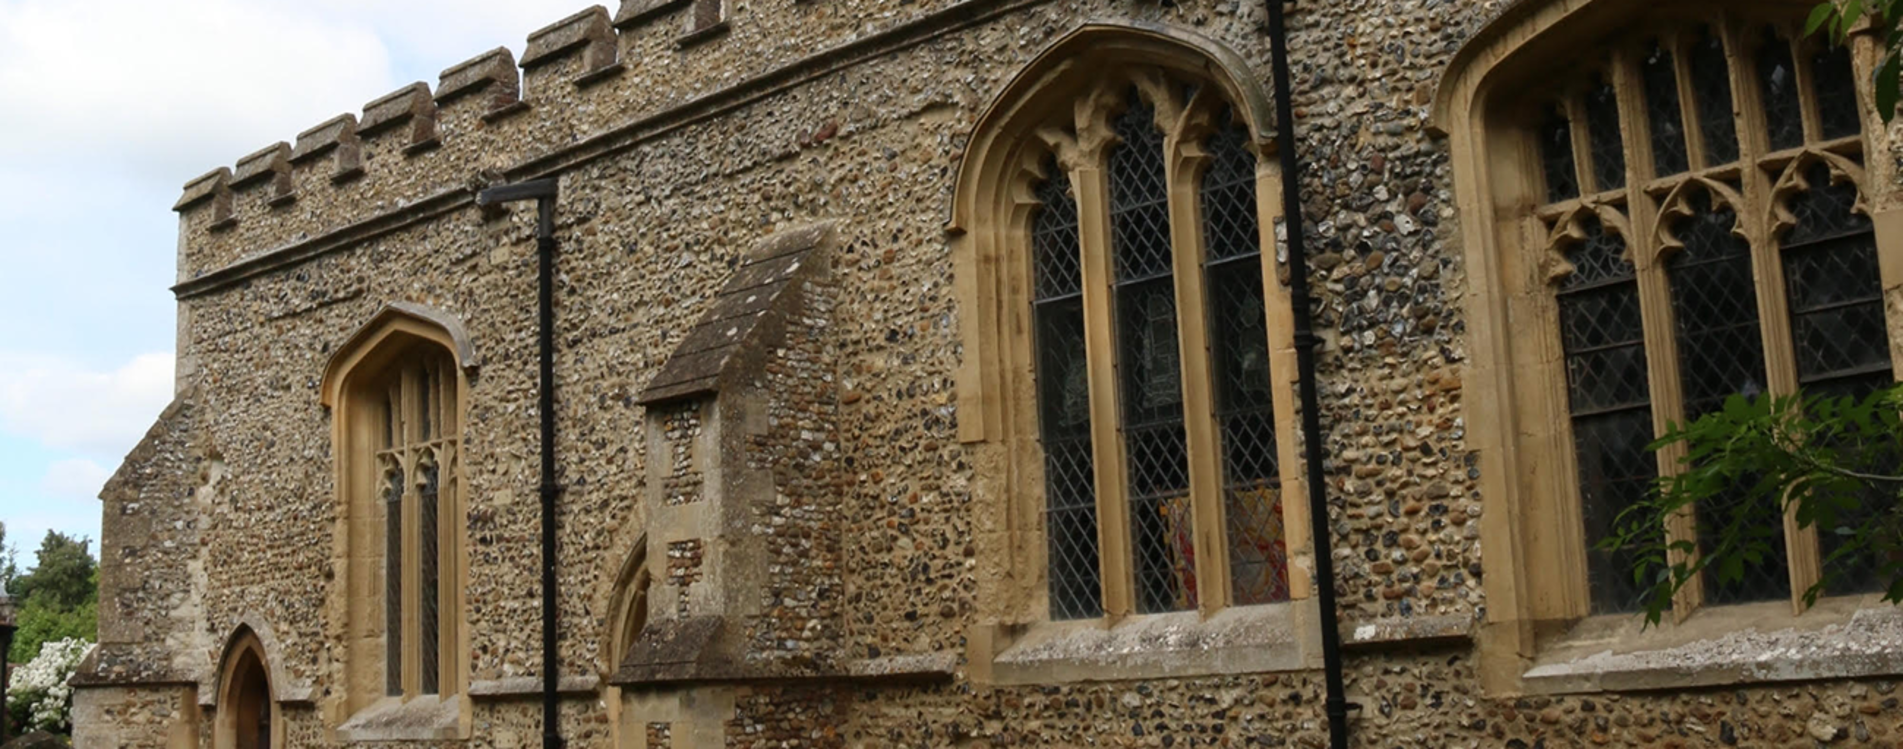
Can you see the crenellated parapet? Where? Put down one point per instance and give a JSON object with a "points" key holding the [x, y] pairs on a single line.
{"points": [[587, 35], [337, 135], [593, 82], [411, 108]]}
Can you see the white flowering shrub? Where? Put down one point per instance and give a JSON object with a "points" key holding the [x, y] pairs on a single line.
{"points": [[38, 697]]}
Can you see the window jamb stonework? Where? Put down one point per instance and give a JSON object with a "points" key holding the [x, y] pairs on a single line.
{"points": [[1535, 580]]}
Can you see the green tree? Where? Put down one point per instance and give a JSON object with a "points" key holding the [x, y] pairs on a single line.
{"points": [[1835, 463], [1837, 18], [63, 575], [58, 598]]}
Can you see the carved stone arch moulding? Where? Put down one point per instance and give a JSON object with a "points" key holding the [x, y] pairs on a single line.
{"points": [[1568, 233], [1677, 206], [627, 592], [396, 322], [1059, 104], [1792, 182], [252, 631]]}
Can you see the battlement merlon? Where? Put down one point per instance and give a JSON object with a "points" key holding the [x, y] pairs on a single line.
{"points": [[338, 134], [588, 31]]}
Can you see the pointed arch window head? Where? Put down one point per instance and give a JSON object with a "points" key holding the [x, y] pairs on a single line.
{"points": [[1154, 396], [396, 392]]}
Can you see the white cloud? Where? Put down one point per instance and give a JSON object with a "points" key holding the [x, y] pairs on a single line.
{"points": [[172, 89], [75, 478], [61, 404]]}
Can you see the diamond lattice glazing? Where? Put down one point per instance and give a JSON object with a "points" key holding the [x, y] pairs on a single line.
{"points": [[1063, 388]]}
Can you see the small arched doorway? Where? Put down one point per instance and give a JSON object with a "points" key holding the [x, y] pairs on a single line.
{"points": [[247, 715]]}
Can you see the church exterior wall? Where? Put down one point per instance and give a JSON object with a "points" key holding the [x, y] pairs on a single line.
{"points": [[849, 557]]}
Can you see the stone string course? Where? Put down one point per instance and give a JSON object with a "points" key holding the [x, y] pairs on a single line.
{"points": [[228, 511]]}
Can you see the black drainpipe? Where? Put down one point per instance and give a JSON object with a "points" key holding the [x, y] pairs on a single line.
{"points": [[1305, 342], [543, 192]]}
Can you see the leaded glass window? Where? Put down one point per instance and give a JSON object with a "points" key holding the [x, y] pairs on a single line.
{"points": [[1669, 155], [1777, 82], [1720, 354], [416, 463], [1604, 339], [1755, 194], [1163, 491], [1239, 363], [1063, 383], [1711, 90], [1151, 392], [1602, 125], [1836, 299]]}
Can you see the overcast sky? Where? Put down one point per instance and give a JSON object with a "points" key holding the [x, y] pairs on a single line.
{"points": [[107, 107]]}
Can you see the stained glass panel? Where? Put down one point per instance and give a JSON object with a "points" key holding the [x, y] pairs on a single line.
{"points": [[1149, 363], [1556, 157], [1239, 359], [1602, 129], [1777, 84], [1836, 92], [1711, 92], [1604, 342], [1063, 385], [1660, 74]]}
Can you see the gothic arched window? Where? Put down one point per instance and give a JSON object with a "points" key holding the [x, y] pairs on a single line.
{"points": [[1697, 226], [396, 392], [1162, 483]]}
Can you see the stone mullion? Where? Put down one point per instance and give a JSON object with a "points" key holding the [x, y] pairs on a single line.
{"points": [[1588, 179], [443, 442], [1806, 91], [1209, 519], [1092, 185], [1558, 569], [1655, 301], [411, 437], [1696, 158], [1767, 265]]}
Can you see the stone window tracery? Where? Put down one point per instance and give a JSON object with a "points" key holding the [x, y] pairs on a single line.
{"points": [[396, 390], [1162, 486], [416, 466], [1699, 247]]}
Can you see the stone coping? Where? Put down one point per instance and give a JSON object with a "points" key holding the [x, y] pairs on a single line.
{"points": [[1248, 639], [424, 718], [516, 687], [1841, 639], [1410, 630]]}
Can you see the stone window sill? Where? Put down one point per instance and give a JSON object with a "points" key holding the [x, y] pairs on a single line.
{"points": [[1850, 637], [1252, 639], [425, 718]]}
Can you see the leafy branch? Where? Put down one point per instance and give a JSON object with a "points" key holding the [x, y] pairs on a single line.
{"points": [[1837, 18], [1831, 463]]}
